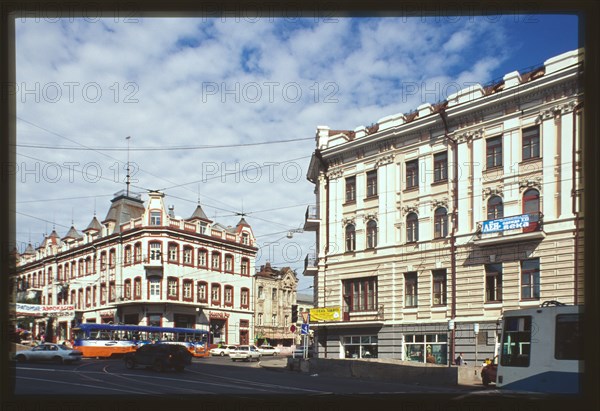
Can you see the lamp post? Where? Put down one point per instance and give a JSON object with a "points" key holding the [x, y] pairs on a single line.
{"points": [[476, 331], [450, 330]]}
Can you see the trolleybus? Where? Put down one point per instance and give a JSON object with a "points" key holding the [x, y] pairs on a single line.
{"points": [[106, 340], [542, 349]]}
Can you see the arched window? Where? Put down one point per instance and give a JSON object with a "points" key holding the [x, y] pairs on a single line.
{"points": [[441, 222], [245, 266], [372, 234], [202, 292], [495, 208], [202, 258], [412, 228], [216, 261], [531, 206], [350, 237], [229, 263]]}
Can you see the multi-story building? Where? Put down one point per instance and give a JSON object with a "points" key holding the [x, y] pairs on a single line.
{"points": [[275, 292], [143, 265], [431, 224]]}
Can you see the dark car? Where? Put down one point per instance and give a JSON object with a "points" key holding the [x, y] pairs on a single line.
{"points": [[160, 357], [489, 371]]}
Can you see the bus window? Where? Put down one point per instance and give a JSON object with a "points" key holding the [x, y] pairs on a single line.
{"points": [[568, 343], [516, 342]]}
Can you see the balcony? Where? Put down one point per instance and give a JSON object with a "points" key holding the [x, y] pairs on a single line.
{"points": [[311, 218], [311, 265], [523, 227]]}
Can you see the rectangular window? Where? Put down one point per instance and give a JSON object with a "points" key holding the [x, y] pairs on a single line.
{"points": [[372, 183], [410, 289], [493, 283], [172, 288], [244, 298], [229, 263], [530, 279], [127, 290], [493, 156], [274, 320], [350, 189], [215, 294], [137, 252], [202, 292], [112, 291], [187, 290], [155, 218], [516, 342], [216, 261], [440, 167], [569, 337], [439, 287], [202, 255], [127, 257], [360, 294], [260, 293], [103, 261], [187, 255], [173, 252], [155, 253], [102, 294], [244, 266], [412, 174], [260, 319], [228, 295], [274, 294], [531, 142], [137, 288]]}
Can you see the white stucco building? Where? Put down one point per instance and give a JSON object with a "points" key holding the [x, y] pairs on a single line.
{"points": [[450, 214]]}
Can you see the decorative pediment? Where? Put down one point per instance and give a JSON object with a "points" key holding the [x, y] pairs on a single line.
{"points": [[489, 191], [348, 220], [370, 216], [335, 173], [557, 110], [469, 136], [384, 160], [413, 208], [439, 203], [530, 183]]}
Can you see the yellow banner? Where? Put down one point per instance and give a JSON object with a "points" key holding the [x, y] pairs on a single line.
{"points": [[325, 314]]}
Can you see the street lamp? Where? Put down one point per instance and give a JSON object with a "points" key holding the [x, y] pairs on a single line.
{"points": [[476, 331], [450, 330]]}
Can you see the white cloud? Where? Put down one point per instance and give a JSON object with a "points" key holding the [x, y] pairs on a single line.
{"points": [[195, 82]]}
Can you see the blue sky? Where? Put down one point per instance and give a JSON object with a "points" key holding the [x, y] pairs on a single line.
{"points": [[187, 82]]}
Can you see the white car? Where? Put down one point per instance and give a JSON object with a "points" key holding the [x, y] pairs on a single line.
{"points": [[267, 349], [222, 350], [245, 352], [57, 353]]}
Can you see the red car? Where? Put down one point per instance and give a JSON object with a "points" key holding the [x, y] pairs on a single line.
{"points": [[488, 372]]}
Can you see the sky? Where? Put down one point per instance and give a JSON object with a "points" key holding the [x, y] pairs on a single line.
{"points": [[225, 111]]}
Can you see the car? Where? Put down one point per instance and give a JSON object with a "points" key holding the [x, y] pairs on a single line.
{"points": [[222, 350], [245, 352], [267, 349], [489, 371], [58, 353], [160, 357]]}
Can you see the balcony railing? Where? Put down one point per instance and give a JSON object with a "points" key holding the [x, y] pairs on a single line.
{"points": [[508, 229], [310, 264], [375, 314], [311, 218]]}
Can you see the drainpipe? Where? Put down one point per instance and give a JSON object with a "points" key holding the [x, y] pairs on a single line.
{"points": [[443, 116], [326, 251], [575, 195]]}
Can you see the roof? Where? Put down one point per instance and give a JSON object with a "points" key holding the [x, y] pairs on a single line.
{"points": [[72, 233], [123, 209], [94, 225], [29, 250], [199, 214]]}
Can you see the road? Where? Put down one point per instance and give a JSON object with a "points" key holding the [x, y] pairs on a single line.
{"points": [[215, 375]]}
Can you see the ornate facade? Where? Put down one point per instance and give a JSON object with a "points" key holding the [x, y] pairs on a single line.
{"points": [[433, 223]]}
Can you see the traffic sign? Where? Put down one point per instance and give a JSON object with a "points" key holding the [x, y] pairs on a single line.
{"points": [[293, 328], [305, 318], [304, 329]]}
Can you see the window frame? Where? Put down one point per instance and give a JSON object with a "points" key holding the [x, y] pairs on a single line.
{"points": [[228, 289], [371, 234], [412, 227], [440, 167], [188, 290], [188, 255], [202, 296], [493, 152], [213, 266], [350, 237], [530, 142], [411, 283], [172, 288], [202, 255], [360, 294], [217, 287], [245, 295], [412, 174], [495, 208], [350, 189], [493, 282], [440, 225], [533, 284], [439, 279], [372, 183]]}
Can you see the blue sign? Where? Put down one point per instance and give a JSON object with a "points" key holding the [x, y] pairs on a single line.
{"points": [[504, 224], [304, 329]]}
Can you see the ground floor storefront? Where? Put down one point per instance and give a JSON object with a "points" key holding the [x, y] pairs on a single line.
{"points": [[423, 342]]}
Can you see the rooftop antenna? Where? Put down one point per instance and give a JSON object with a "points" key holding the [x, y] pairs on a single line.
{"points": [[94, 206], [127, 181], [72, 220], [198, 193]]}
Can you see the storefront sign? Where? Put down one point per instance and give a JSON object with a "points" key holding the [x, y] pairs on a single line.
{"points": [[218, 315], [325, 314], [44, 310], [504, 224]]}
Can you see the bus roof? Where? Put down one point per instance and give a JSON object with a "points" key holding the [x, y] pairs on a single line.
{"points": [[133, 328]]}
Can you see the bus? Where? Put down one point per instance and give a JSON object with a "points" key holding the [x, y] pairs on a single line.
{"points": [[107, 340], [541, 349]]}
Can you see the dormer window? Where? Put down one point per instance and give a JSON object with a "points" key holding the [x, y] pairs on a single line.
{"points": [[155, 218], [245, 238]]}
